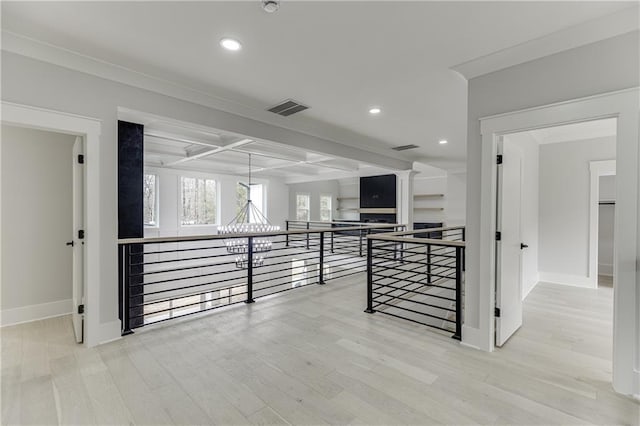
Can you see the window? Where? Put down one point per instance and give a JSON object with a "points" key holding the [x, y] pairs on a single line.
{"points": [[302, 207], [199, 201], [325, 207], [256, 195], [150, 200]]}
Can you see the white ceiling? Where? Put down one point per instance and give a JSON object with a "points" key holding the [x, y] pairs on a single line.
{"points": [[339, 58]]}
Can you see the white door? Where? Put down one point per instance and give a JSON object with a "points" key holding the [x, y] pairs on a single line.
{"points": [[78, 243], [508, 247]]}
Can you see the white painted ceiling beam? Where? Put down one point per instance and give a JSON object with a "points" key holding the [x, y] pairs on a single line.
{"points": [[205, 152]]}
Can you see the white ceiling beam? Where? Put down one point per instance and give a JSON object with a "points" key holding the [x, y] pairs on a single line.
{"points": [[205, 152]]}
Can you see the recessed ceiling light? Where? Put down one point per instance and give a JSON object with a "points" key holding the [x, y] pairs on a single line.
{"points": [[375, 110], [230, 44], [442, 141]]}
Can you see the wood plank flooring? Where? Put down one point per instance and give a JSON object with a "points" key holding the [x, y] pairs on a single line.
{"points": [[311, 356]]}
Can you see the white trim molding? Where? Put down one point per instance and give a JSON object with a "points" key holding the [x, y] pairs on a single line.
{"points": [[36, 312], [90, 129], [622, 105]]}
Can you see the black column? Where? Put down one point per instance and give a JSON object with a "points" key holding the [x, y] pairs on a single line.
{"points": [[130, 215]]}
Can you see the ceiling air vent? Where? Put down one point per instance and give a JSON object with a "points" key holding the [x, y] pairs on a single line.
{"points": [[404, 147], [287, 108]]}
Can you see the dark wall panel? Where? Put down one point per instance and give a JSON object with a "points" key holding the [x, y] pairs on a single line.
{"points": [[130, 178], [131, 214], [378, 192]]}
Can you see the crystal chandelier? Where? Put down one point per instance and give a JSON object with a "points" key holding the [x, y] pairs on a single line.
{"points": [[249, 220]]}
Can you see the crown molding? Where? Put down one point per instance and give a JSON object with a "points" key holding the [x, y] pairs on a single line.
{"points": [[45, 52], [619, 23]]}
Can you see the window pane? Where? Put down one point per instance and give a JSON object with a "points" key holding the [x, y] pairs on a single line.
{"points": [[242, 195], [149, 194], [199, 201], [302, 207], [325, 207]]}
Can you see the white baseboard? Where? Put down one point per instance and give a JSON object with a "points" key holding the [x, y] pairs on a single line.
{"points": [[36, 312], [605, 269], [569, 279], [109, 332], [527, 291], [473, 338]]}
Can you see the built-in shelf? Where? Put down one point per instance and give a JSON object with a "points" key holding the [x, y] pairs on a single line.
{"points": [[348, 198], [343, 209], [426, 196], [429, 208]]}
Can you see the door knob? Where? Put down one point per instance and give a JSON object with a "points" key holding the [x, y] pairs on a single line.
{"points": [[523, 246], [70, 243]]}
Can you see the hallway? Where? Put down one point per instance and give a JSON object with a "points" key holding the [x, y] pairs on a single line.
{"points": [[313, 357]]}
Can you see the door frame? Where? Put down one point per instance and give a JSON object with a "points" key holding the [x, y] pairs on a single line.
{"points": [[90, 129], [622, 105], [596, 170]]}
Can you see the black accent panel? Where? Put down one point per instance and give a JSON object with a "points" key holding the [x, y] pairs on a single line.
{"points": [[130, 203], [130, 177], [378, 191], [425, 225]]}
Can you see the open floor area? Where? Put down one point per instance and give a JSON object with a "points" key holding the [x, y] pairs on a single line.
{"points": [[312, 356]]}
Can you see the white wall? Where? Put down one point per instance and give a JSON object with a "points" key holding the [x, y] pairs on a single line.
{"points": [[36, 224], [456, 199], [530, 204], [564, 207], [572, 74], [606, 221], [314, 190], [348, 188], [168, 184]]}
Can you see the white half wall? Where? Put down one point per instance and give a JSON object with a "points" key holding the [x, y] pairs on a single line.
{"points": [[36, 224], [565, 184]]}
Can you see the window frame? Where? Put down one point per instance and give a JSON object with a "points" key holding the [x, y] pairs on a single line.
{"points": [[179, 203], [303, 194], [156, 201], [320, 209]]}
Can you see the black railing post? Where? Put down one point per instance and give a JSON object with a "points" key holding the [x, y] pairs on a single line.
{"points": [[360, 245], [307, 236], [332, 235], [249, 271], [464, 238], [429, 263], [321, 272], [369, 309], [459, 254], [126, 289], [286, 225]]}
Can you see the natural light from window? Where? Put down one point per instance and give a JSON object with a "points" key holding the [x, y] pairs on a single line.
{"points": [[199, 201]]}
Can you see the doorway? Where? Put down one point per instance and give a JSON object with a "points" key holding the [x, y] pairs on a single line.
{"points": [[42, 213], [25, 116], [547, 212]]}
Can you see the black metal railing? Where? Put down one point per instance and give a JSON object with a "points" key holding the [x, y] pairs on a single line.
{"points": [[166, 278], [418, 276]]}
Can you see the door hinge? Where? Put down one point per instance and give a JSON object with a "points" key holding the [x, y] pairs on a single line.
{"points": [[80, 309], [499, 159], [80, 158], [496, 312], [498, 236], [81, 234]]}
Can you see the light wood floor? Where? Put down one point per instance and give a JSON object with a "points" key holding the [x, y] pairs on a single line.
{"points": [[311, 356]]}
